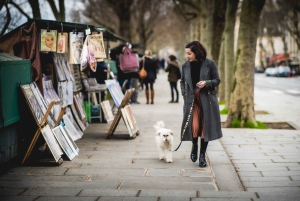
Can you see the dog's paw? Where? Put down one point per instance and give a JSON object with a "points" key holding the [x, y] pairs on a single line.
{"points": [[161, 158], [169, 161]]}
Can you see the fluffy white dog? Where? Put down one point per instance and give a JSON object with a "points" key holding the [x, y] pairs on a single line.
{"points": [[164, 141]]}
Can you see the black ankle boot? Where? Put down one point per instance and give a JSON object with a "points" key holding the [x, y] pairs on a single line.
{"points": [[194, 152], [202, 161]]}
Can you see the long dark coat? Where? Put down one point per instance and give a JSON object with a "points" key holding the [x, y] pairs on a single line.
{"points": [[210, 106]]}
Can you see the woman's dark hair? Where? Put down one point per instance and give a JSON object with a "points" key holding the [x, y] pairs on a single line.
{"points": [[172, 57], [198, 49]]}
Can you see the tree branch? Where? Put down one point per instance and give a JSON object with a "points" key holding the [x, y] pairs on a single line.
{"points": [[53, 8], [7, 22], [19, 9]]}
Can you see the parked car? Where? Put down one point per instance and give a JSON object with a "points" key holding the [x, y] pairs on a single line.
{"points": [[271, 71], [259, 69], [284, 71]]}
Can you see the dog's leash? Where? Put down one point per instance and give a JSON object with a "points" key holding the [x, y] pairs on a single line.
{"points": [[186, 124]]}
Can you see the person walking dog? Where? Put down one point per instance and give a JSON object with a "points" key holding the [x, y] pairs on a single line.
{"points": [[201, 114]]}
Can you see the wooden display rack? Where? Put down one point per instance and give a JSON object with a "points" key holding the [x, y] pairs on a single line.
{"points": [[119, 114], [40, 126]]}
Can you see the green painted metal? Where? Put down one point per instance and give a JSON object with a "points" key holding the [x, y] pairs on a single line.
{"points": [[8, 143], [13, 72]]}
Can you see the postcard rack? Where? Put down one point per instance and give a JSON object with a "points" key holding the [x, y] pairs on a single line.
{"points": [[120, 113]]}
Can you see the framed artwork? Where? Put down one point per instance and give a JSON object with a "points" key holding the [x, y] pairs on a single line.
{"points": [[96, 45], [72, 131], [106, 107], [79, 121], [131, 118], [62, 43], [70, 116], [51, 142], [125, 119], [71, 142], [115, 91], [62, 141], [48, 40], [33, 104], [76, 44]]}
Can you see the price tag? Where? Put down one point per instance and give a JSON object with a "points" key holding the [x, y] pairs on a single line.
{"points": [[88, 31]]}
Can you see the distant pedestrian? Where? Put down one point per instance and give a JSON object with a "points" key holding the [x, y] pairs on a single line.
{"points": [[173, 77], [150, 66], [198, 84]]}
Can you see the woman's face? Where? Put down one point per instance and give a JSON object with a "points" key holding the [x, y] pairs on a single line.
{"points": [[190, 55], [49, 41]]}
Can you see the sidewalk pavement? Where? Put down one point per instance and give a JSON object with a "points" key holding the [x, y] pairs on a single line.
{"points": [[246, 164]]}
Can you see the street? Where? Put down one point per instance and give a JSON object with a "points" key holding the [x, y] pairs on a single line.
{"points": [[278, 85]]}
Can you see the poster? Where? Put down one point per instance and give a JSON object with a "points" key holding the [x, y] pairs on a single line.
{"points": [[62, 42], [76, 44], [48, 40]]}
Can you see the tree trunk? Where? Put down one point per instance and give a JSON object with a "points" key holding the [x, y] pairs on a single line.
{"points": [[231, 9], [62, 10], [273, 50], [221, 69], [218, 28], [261, 52], [285, 49], [242, 100], [35, 9], [207, 24]]}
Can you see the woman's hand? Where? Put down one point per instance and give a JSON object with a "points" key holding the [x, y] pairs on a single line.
{"points": [[201, 84]]}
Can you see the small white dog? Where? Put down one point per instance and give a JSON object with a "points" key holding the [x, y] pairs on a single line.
{"points": [[164, 141]]}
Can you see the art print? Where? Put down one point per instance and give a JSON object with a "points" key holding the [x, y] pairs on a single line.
{"points": [[76, 44], [106, 108], [51, 142], [96, 45], [70, 116], [33, 104], [71, 142], [74, 134], [48, 40], [79, 121], [63, 142], [62, 43]]}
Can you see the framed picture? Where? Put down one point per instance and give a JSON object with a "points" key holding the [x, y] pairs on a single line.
{"points": [[78, 120], [131, 118], [72, 131], [62, 141], [51, 142], [106, 107], [76, 44], [71, 142], [70, 116], [48, 40], [125, 119], [96, 44], [33, 104], [115, 91], [62, 43]]}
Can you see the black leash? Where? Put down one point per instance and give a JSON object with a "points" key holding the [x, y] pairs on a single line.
{"points": [[186, 124]]}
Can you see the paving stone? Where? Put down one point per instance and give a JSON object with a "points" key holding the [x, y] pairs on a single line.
{"points": [[277, 164], [294, 168], [10, 191], [41, 178], [276, 194], [60, 184], [249, 174], [19, 170], [128, 199], [292, 160], [56, 198], [170, 186], [218, 157], [218, 199], [252, 161], [227, 194], [108, 192], [251, 169], [163, 172], [273, 189], [167, 193], [262, 179], [295, 178], [174, 199], [226, 178], [18, 198], [48, 171], [280, 173], [52, 191], [253, 184], [106, 172], [205, 172]]}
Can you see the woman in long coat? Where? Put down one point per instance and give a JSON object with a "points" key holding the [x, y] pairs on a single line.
{"points": [[201, 114]]}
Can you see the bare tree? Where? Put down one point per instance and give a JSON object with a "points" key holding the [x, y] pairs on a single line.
{"points": [[242, 98]]}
